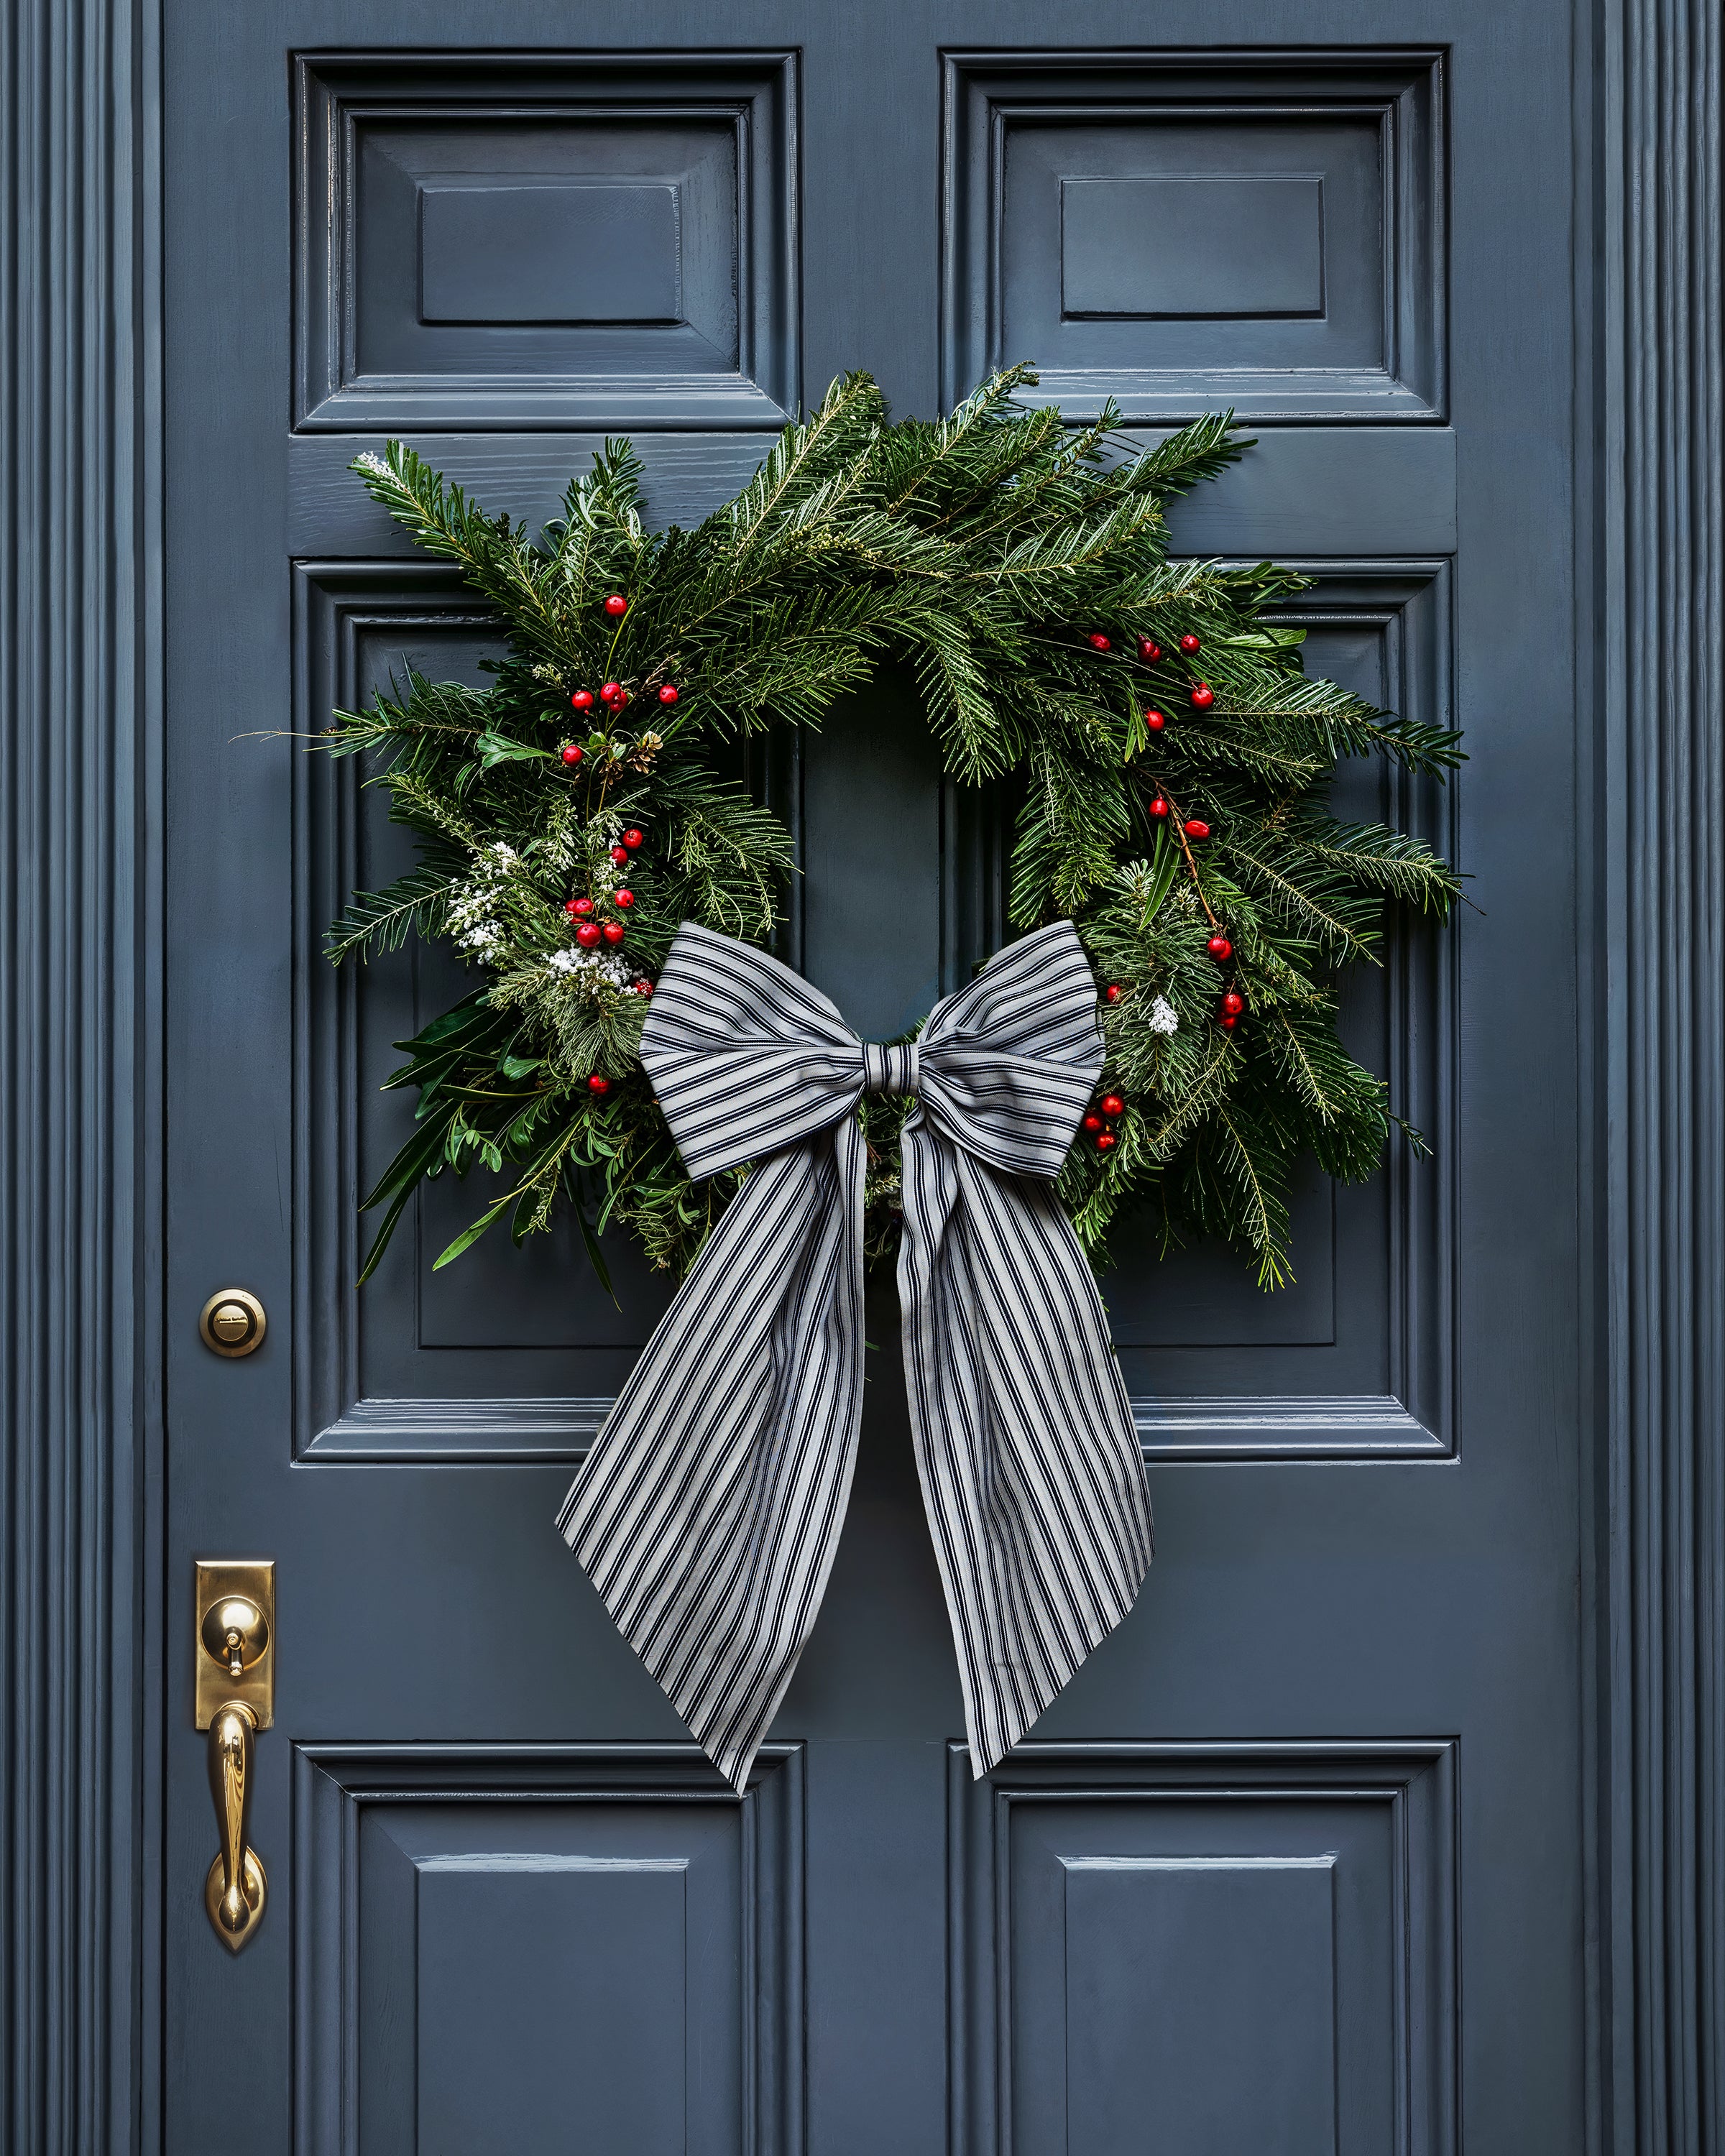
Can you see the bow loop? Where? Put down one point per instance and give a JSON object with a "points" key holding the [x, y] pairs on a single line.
{"points": [[708, 1513], [1009, 1064], [744, 1056]]}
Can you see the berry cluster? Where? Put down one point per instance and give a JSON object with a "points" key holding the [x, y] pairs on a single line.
{"points": [[1192, 830], [1200, 695], [592, 927], [615, 695], [1233, 1002], [1108, 1110], [601, 918], [1194, 827]]}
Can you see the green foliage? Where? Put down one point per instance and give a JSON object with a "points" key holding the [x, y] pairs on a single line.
{"points": [[983, 551]]}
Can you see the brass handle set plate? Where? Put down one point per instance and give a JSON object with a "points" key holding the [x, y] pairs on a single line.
{"points": [[235, 1698]]}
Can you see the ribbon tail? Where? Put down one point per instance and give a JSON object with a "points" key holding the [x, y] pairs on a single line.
{"points": [[708, 1512], [1032, 1472]]}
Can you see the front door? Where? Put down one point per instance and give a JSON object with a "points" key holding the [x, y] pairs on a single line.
{"points": [[1295, 1866]]}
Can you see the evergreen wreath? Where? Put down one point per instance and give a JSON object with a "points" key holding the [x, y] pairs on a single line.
{"points": [[1173, 759]]}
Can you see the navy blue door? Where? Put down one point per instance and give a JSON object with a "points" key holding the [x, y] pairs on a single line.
{"points": [[1295, 1866]]}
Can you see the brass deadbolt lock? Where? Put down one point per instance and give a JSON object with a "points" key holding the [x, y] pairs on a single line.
{"points": [[232, 1323]]}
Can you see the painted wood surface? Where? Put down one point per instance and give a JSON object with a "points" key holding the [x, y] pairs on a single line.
{"points": [[1566, 1527]]}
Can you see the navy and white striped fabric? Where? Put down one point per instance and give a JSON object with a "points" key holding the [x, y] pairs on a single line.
{"points": [[708, 1512]]}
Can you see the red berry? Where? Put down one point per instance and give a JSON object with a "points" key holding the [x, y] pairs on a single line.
{"points": [[1189, 643], [580, 908], [1196, 828], [1114, 992], [644, 987], [1113, 1105], [1220, 948], [631, 838], [616, 605], [620, 855], [1234, 1002], [1159, 807], [1149, 651], [571, 904], [572, 754], [1098, 642], [1105, 1139], [1202, 696], [612, 693], [1155, 719], [667, 694], [582, 699], [614, 931], [597, 1084], [588, 934], [623, 898], [1228, 1021], [1092, 1122]]}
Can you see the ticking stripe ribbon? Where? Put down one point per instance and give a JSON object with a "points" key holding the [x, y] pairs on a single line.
{"points": [[708, 1512]]}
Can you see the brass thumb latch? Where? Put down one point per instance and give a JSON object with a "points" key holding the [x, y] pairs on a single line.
{"points": [[235, 1698]]}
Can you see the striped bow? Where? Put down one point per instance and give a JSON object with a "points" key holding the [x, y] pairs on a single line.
{"points": [[708, 1512]]}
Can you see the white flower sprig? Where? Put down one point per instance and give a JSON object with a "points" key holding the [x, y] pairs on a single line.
{"points": [[593, 971], [472, 919]]}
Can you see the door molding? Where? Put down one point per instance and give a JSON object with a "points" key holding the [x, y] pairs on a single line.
{"points": [[1653, 430], [81, 835], [79, 938]]}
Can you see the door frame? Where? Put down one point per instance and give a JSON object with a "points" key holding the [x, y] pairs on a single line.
{"points": [[81, 1043]]}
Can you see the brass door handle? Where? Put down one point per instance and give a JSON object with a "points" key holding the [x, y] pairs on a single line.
{"points": [[234, 1699], [233, 1893]]}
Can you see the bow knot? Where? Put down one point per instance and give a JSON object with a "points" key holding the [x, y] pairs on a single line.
{"points": [[708, 1513], [890, 1067]]}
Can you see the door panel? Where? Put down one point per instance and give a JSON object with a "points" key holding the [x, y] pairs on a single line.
{"points": [[1255, 1948], [499, 1935], [1354, 1360], [1302, 1841], [1261, 230], [490, 240]]}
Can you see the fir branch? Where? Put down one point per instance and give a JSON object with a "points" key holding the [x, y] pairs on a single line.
{"points": [[1373, 855], [383, 919], [1020, 568], [1202, 450]]}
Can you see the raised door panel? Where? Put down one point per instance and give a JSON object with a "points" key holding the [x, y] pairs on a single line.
{"points": [[1180, 230], [512, 1354], [1356, 1358], [491, 241], [539, 1946], [1244, 1947]]}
